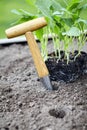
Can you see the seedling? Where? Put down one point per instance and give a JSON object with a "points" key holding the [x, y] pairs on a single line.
{"points": [[64, 21]]}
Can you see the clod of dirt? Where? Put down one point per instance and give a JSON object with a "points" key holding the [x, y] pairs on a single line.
{"points": [[28, 74], [20, 104], [16, 127], [0, 76], [8, 90], [57, 113], [55, 85], [38, 79], [6, 128], [61, 71], [46, 128]]}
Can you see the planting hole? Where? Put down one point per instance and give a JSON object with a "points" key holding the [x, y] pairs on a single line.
{"points": [[16, 127], [57, 113]]}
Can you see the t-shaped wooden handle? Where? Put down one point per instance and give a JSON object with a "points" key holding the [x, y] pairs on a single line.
{"points": [[26, 28], [21, 29]]}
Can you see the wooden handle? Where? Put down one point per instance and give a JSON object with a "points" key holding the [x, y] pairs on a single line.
{"points": [[21, 29], [38, 60]]}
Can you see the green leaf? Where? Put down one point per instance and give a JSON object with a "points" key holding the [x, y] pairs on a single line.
{"points": [[39, 34], [57, 22], [63, 3], [83, 14], [17, 12], [24, 16], [73, 4], [81, 21], [21, 20], [56, 6], [74, 31], [32, 7], [58, 13], [68, 21], [22, 12], [44, 7], [82, 6]]}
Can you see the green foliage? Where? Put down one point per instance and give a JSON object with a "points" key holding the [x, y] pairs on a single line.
{"points": [[6, 17], [24, 16], [64, 21]]}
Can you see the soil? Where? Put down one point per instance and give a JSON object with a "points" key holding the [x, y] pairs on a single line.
{"points": [[60, 70], [26, 105]]}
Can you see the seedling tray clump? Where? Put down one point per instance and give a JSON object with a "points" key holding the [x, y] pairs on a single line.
{"points": [[61, 71]]}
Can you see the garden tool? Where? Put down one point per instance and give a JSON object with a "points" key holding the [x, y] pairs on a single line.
{"points": [[27, 28]]}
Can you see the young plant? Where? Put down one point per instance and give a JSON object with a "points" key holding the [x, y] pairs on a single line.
{"points": [[64, 21]]}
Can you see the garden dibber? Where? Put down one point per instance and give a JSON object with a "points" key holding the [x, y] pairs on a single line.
{"points": [[27, 28]]}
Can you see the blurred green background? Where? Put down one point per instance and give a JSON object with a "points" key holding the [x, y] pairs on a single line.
{"points": [[6, 17]]}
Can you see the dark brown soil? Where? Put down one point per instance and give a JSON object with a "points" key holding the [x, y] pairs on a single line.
{"points": [[60, 70], [26, 105]]}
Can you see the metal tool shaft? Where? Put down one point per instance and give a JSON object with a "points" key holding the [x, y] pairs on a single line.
{"points": [[46, 81]]}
